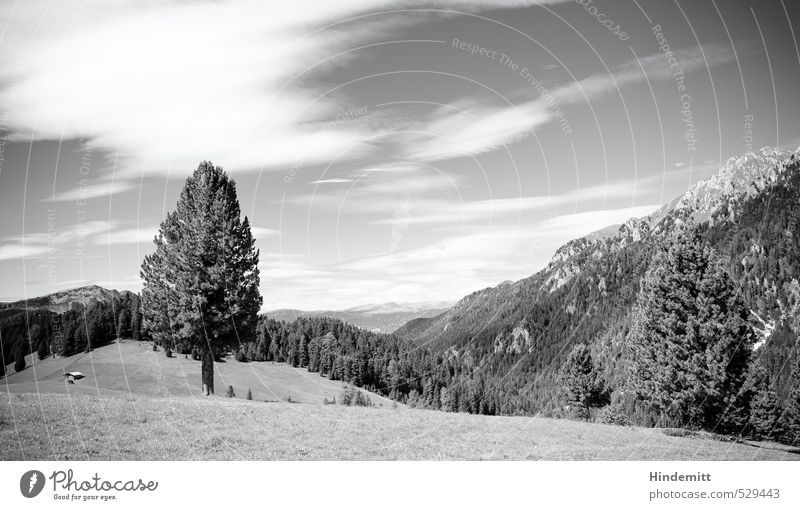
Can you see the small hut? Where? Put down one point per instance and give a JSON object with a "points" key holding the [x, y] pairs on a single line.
{"points": [[71, 377]]}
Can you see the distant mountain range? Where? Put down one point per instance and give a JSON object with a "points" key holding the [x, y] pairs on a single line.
{"points": [[380, 318]]}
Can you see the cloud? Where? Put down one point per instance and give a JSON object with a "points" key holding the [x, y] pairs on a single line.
{"points": [[264, 232], [331, 181], [35, 245], [92, 191], [470, 127], [381, 189], [127, 236], [448, 268], [655, 66], [19, 251], [160, 83], [206, 79], [466, 212], [59, 243]]}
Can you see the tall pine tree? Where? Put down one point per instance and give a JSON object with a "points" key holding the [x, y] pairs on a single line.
{"points": [[792, 406], [691, 339], [581, 381], [201, 284]]}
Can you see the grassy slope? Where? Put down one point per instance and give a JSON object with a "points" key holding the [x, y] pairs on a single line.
{"points": [[129, 367], [79, 427], [138, 404]]}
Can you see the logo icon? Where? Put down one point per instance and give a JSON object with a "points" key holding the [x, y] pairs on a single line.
{"points": [[31, 483]]}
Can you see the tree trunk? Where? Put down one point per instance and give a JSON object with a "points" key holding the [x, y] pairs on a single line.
{"points": [[208, 372]]}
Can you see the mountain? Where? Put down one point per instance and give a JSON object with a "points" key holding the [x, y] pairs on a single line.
{"points": [[518, 334], [380, 318], [60, 302], [67, 322]]}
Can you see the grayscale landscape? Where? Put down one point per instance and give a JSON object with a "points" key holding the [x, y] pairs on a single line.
{"points": [[381, 230]]}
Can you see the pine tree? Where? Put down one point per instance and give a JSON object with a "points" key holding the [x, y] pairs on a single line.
{"points": [[691, 339], [765, 407], [201, 284], [136, 318], [792, 408], [582, 384], [19, 363], [43, 349]]}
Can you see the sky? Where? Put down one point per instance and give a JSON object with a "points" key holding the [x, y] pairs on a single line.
{"points": [[383, 151]]}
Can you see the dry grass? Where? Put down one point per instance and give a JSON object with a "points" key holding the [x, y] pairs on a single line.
{"points": [[81, 427]]}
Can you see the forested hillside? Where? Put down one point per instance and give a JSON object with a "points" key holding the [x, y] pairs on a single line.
{"points": [[512, 340], [66, 323]]}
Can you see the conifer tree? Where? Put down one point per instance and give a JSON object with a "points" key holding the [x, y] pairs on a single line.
{"points": [[792, 407], [765, 407], [44, 348], [19, 363], [201, 284], [581, 381], [691, 339]]}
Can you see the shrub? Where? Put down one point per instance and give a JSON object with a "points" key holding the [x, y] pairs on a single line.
{"points": [[155, 347], [241, 356], [353, 397], [168, 352], [613, 414], [249, 394], [331, 402], [230, 392]]}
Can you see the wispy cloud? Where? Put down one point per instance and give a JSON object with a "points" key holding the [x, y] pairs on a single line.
{"points": [[19, 250], [264, 232], [127, 236], [332, 181], [655, 66], [437, 271], [92, 191], [38, 244], [470, 127], [468, 212], [67, 240]]}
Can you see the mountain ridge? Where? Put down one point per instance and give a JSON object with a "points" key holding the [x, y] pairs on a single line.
{"points": [[586, 292]]}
